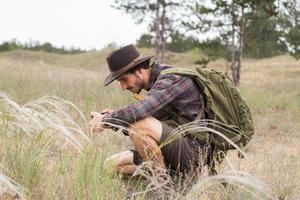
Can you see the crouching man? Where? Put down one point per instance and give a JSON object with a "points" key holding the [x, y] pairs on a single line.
{"points": [[154, 117]]}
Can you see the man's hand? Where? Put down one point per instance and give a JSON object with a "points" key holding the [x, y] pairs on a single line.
{"points": [[106, 111], [96, 124]]}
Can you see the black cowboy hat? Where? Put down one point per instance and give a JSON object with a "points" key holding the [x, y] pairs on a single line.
{"points": [[122, 60]]}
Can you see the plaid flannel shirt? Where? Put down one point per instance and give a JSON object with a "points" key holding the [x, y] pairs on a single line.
{"points": [[179, 92]]}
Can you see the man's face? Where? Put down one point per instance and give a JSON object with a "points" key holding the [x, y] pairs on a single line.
{"points": [[132, 82]]}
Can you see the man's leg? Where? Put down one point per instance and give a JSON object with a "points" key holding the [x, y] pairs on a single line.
{"points": [[123, 162], [145, 135], [181, 155]]}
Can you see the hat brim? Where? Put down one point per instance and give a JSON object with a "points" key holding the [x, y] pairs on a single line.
{"points": [[113, 76]]}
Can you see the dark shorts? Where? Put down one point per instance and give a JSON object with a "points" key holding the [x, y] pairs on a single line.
{"points": [[181, 155]]}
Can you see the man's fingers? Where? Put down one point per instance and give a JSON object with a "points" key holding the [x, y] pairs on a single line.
{"points": [[96, 115], [96, 129], [93, 114], [92, 128], [106, 110], [90, 124]]}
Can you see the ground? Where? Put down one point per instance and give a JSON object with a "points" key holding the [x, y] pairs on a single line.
{"points": [[271, 86]]}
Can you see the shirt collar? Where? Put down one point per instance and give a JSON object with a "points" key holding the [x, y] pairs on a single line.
{"points": [[156, 68]]}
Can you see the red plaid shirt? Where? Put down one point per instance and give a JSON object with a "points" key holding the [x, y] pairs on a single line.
{"points": [[179, 92]]}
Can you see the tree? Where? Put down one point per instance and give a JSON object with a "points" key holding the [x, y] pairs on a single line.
{"points": [[10, 45], [157, 13], [178, 42], [213, 48], [263, 36], [37, 46], [228, 18], [289, 21], [146, 40]]}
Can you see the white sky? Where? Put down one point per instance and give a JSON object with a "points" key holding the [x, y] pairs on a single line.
{"points": [[79, 23]]}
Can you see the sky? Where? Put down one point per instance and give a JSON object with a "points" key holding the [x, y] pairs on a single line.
{"points": [[84, 24]]}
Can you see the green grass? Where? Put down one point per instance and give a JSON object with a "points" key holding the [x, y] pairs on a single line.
{"points": [[25, 163]]}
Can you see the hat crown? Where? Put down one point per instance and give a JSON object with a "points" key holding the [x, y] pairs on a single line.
{"points": [[122, 57], [122, 60]]}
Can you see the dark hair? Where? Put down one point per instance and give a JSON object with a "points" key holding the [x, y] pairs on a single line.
{"points": [[145, 65]]}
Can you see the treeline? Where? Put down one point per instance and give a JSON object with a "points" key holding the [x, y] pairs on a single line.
{"points": [[37, 46], [262, 42], [252, 28]]}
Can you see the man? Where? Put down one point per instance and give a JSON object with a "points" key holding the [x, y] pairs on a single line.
{"points": [[148, 121]]}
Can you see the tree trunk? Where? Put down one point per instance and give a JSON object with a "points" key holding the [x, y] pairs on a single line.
{"points": [[162, 32], [241, 47], [232, 49], [157, 33], [160, 38]]}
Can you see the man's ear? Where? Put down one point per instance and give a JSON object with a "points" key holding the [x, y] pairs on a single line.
{"points": [[139, 71]]}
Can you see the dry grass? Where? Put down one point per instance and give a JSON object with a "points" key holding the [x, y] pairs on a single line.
{"points": [[48, 169], [10, 188], [47, 115]]}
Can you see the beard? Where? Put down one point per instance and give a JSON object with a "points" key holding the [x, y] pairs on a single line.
{"points": [[138, 86], [135, 90]]}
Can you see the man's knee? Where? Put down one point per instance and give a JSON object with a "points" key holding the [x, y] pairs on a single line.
{"points": [[149, 126], [119, 159]]}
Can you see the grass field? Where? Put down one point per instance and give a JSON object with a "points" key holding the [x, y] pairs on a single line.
{"points": [[46, 166]]}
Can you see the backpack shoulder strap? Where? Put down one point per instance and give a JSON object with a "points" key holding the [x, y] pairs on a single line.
{"points": [[179, 71]]}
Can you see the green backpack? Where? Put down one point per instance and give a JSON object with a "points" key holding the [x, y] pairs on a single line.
{"points": [[223, 105]]}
